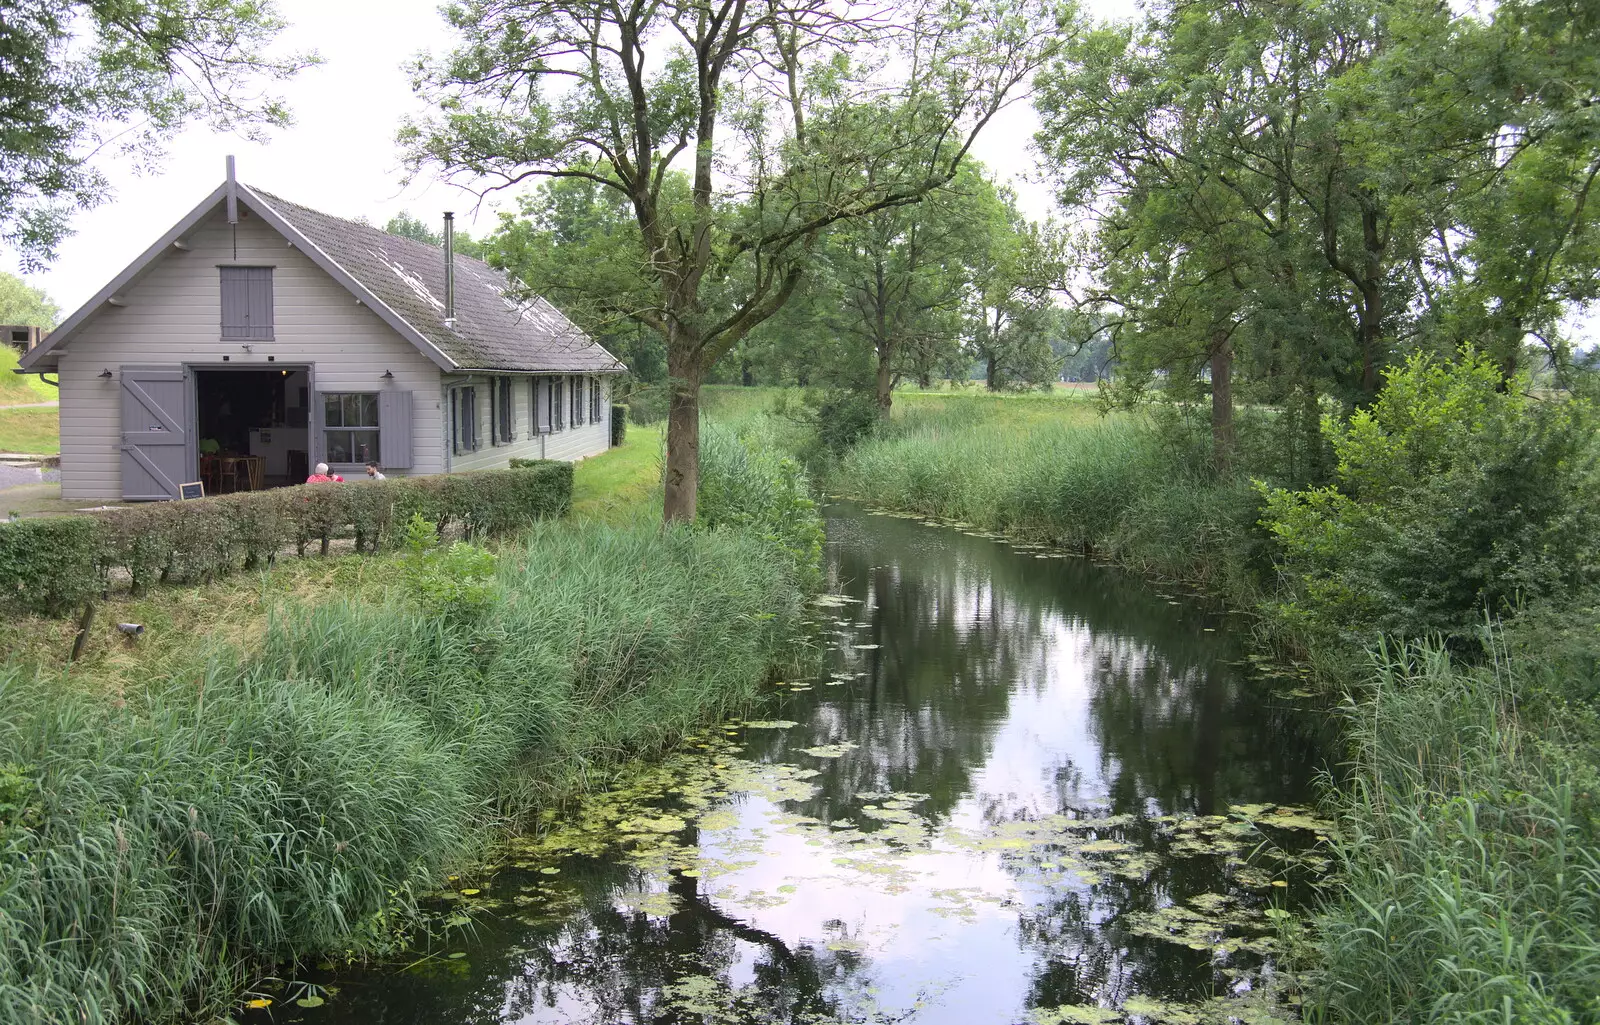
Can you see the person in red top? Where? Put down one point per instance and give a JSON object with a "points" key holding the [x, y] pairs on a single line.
{"points": [[323, 477]]}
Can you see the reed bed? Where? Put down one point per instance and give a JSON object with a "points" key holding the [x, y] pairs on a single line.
{"points": [[159, 845], [1116, 486], [1471, 878]]}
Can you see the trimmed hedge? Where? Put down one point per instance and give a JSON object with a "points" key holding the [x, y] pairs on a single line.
{"points": [[52, 565], [619, 424]]}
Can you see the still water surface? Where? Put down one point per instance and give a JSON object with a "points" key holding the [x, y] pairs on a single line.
{"points": [[1027, 789]]}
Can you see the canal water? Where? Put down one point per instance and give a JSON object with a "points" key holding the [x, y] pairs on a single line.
{"points": [[1025, 788]]}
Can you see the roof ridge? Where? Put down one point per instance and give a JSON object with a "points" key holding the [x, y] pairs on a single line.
{"points": [[368, 226]]}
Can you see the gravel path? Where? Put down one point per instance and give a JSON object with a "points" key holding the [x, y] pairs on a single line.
{"points": [[16, 476]]}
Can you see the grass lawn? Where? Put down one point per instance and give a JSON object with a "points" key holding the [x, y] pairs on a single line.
{"points": [[19, 389], [33, 431], [624, 484]]}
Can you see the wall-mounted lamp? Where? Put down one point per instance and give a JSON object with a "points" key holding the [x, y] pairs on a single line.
{"points": [[388, 375], [106, 374]]}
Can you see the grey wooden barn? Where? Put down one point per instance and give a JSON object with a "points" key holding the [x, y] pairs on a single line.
{"points": [[259, 327]]}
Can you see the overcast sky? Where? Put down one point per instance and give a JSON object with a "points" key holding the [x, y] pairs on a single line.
{"points": [[340, 156]]}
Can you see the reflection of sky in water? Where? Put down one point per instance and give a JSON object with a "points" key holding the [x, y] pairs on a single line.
{"points": [[1010, 689]]}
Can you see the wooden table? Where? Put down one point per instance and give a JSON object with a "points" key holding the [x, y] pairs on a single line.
{"points": [[252, 467]]}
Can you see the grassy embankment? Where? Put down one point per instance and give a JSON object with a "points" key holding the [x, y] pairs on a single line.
{"points": [[282, 770], [1470, 844], [33, 431]]}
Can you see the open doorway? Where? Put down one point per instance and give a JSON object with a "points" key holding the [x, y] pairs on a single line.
{"points": [[251, 428]]}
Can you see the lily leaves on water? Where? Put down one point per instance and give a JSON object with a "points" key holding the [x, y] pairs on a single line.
{"points": [[829, 750]]}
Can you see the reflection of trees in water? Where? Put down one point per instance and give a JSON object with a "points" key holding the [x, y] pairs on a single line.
{"points": [[1186, 733], [605, 966]]}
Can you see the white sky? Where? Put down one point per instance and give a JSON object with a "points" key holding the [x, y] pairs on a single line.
{"points": [[340, 156]]}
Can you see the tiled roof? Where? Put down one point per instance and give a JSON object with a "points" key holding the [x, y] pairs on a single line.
{"points": [[492, 332]]}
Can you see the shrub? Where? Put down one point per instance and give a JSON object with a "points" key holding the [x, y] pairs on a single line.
{"points": [[50, 565], [619, 425], [455, 581], [1455, 495], [647, 404]]}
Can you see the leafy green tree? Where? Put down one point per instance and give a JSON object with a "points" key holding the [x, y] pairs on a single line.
{"points": [[21, 303], [762, 106], [1011, 317], [85, 77], [414, 228], [903, 274]]}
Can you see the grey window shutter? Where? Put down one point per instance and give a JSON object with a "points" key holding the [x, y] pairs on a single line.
{"points": [[260, 310], [394, 429], [494, 411], [247, 302]]}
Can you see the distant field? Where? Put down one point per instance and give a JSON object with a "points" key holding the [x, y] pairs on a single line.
{"points": [[1065, 402], [18, 389], [34, 431]]}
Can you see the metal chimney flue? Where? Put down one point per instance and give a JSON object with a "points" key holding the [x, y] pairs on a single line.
{"points": [[450, 270]]}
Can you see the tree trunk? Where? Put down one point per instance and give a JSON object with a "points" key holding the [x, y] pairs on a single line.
{"points": [[885, 378], [683, 444], [747, 376], [1222, 438], [991, 374]]}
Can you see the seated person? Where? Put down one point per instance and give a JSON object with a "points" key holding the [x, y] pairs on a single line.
{"points": [[321, 476]]}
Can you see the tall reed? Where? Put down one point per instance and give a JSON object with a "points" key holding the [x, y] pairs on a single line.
{"points": [[1118, 486], [1468, 858], [156, 846]]}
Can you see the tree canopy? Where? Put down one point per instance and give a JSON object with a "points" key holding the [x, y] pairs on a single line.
{"points": [[89, 77], [22, 303]]}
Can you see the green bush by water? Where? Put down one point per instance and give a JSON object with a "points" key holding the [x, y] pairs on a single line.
{"points": [[1457, 494], [157, 846]]}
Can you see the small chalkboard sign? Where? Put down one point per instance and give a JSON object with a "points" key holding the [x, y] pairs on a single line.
{"points": [[194, 490]]}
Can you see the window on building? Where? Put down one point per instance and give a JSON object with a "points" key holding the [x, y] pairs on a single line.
{"points": [[575, 384], [464, 419], [596, 400], [350, 427], [558, 402], [247, 302], [502, 412]]}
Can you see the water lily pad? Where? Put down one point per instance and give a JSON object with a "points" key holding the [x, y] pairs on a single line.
{"points": [[470, 893], [310, 1001], [1073, 1014], [771, 724], [645, 824], [828, 750]]}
